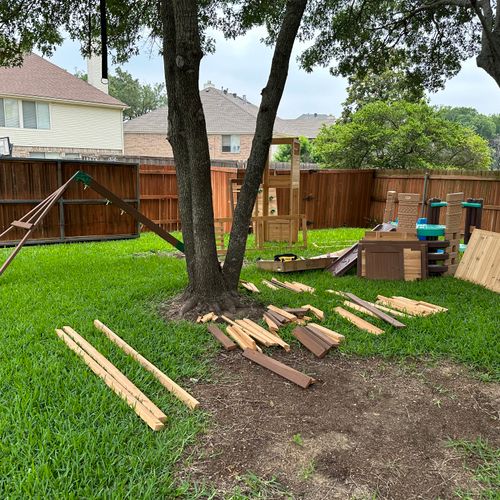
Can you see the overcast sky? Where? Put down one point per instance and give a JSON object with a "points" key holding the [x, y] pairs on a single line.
{"points": [[242, 66]]}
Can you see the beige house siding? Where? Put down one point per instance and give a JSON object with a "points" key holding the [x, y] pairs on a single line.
{"points": [[143, 144], [73, 128]]}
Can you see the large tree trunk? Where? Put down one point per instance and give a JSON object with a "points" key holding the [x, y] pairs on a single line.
{"points": [[271, 97], [208, 287], [187, 134]]}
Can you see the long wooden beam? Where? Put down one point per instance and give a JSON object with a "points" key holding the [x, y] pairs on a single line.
{"points": [[168, 383], [112, 383]]}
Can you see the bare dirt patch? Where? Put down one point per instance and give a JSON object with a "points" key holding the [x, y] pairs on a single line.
{"points": [[368, 428]]}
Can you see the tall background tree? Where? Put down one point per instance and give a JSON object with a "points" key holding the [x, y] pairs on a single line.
{"points": [[401, 135], [141, 98]]}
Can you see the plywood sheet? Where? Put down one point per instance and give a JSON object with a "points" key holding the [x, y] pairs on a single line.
{"points": [[481, 261]]}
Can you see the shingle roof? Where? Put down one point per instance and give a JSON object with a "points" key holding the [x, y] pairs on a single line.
{"points": [[38, 77], [227, 113]]}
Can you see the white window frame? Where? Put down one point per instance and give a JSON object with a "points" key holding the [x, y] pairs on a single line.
{"points": [[21, 116], [234, 143]]}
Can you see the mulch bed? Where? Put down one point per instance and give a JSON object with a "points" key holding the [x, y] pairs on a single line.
{"points": [[368, 427]]}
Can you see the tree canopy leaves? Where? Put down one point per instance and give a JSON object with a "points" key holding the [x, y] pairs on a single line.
{"points": [[401, 135]]}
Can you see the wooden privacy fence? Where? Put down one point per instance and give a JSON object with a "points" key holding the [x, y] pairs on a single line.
{"points": [[79, 215], [328, 198]]}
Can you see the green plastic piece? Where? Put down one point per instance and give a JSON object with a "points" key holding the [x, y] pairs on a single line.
{"points": [[430, 230], [469, 204], [439, 204], [83, 177]]}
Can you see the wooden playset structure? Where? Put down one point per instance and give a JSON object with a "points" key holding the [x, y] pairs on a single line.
{"points": [[414, 251], [34, 217], [267, 224]]}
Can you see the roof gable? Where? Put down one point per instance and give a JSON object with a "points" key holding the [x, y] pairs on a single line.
{"points": [[40, 78]]}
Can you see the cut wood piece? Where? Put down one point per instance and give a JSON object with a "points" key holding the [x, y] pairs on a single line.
{"points": [[322, 337], [419, 305], [358, 308], [234, 334], [359, 322], [227, 343], [198, 319], [423, 303], [277, 317], [255, 334], [310, 342], [295, 286], [21, 224], [168, 383], [249, 286], [270, 285], [246, 339], [390, 311], [279, 368], [259, 329], [286, 285], [115, 373], [297, 311], [228, 320], [317, 312], [281, 312], [330, 333], [207, 317], [304, 287], [380, 314], [404, 306], [112, 383], [272, 325]]}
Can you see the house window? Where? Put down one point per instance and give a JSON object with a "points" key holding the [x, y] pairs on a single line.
{"points": [[9, 113], [25, 114], [36, 115], [42, 154], [230, 143]]}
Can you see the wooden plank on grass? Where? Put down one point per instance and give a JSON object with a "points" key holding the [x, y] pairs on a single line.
{"points": [[115, 373], [311, 342], [337, 337], [317, 312], [328, 341], [359, 322], [167, 382], [380, 314], [358, 308], [285, 371], [112, 383], [281, 312], [226, 342], [406, 307]]}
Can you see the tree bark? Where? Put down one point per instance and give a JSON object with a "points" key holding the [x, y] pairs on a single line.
{"points": [[188, 136], [271, 97]]}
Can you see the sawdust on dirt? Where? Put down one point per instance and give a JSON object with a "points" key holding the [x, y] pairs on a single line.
{"points": [[368, 428]]}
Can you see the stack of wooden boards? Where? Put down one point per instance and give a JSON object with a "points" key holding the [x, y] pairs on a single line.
{"points": [[293, 286], [117, 381], [481, 261]]}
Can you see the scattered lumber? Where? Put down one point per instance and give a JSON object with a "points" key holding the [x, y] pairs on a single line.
{"points": [[422, 303], [270, 285], [168, 383], [242, 338], [115, 373], [358, 308], [336, 337], [271, 324], [408, 306], [393, 312], [303, 287], [300, 312], [282, 312], [287, 285], [249, 286], [337, 292], [277, 318], [226, 342], [279, 368], [317, 312], [318, 346], [255, 333], [112, 383], [359, 322], [323, 337], [376, 312]]}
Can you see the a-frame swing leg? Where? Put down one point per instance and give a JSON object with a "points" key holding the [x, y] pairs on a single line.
{"points": [[32, 219]]}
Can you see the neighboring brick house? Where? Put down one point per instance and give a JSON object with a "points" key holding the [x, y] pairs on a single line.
{"points": [[49, 113], [230, 126]]}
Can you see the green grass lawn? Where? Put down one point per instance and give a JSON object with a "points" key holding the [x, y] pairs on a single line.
{"points": [[64, 434]]}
